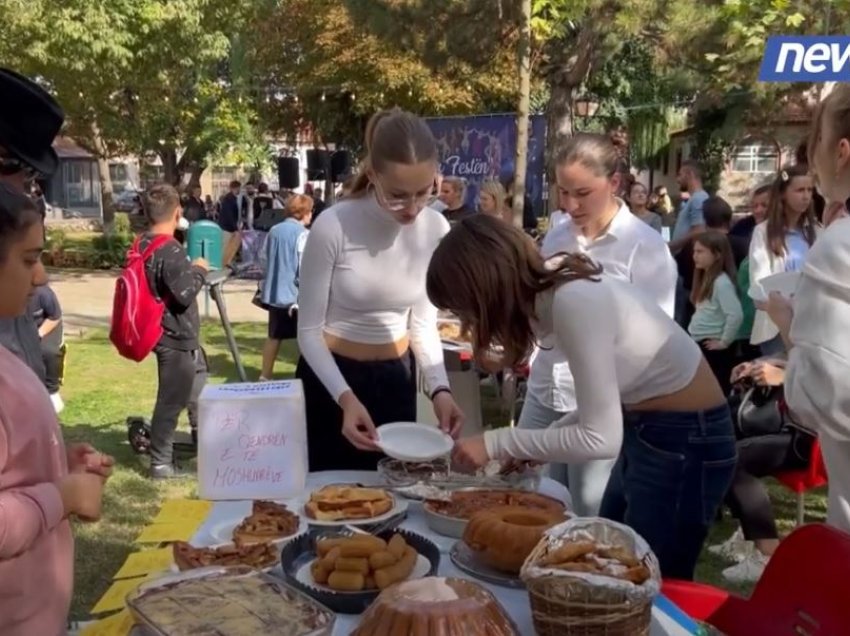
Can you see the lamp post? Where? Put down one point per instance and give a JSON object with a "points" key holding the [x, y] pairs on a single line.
{"points": [[585, 107]]}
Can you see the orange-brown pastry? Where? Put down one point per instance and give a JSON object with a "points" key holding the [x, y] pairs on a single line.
{"points": [[435, 605], [259, 555], [503, 537], [268, 521], [339, 503], [465, 503]]}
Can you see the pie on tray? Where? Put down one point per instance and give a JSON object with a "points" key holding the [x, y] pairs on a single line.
{"points": [[341, 502], [229, 606], [255, 555], [268, 521], [464, 503]]}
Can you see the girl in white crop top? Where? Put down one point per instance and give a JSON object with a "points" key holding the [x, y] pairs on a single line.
{"points": [[362, 302], [643, 390]]}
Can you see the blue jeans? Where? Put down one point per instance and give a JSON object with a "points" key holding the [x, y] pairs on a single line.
{"points": [[670, 479], [586, 481]]}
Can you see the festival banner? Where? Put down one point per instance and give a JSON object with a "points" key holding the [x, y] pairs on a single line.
{"points": [[482, 147]]}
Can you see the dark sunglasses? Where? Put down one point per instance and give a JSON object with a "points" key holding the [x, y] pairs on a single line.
{"points": [[13, 165]]}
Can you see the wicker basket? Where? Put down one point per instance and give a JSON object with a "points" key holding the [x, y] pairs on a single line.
{"points": [[564, 604]]}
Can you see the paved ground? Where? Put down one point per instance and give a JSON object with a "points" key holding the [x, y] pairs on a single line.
{"points": [[86, 299]]}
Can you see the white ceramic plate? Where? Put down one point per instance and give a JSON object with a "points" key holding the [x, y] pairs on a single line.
{"points": [[399, 506], [411, 442], [222, 532], [784, 282], [421, 569]]}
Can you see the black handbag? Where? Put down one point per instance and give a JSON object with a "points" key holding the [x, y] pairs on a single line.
{"points": [[257, 300], [758, 410]]}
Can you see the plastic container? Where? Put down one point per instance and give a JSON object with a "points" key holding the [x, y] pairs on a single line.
{"points": [[211, 593], [205, 240]]}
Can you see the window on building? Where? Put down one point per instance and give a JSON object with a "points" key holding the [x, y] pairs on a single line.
{"points": [[81, 188], [755, 156], [118, 176]]}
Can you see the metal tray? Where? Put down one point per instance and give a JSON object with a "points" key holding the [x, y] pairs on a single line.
{"points": [[284, 592], [467, 561], [302, 550]]}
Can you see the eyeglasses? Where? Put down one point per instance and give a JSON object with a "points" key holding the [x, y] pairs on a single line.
{"points": [[13, 165], [398, 204]]}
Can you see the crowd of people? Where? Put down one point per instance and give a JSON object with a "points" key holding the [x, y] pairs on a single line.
{"points": [[635, 344]]}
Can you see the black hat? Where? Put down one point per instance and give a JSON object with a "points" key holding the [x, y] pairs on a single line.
{"points": [[30, 119]]}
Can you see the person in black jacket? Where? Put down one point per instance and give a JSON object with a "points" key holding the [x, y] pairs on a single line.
{"points": [[181, 362]]}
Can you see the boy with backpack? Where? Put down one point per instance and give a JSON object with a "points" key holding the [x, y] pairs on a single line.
{"points": [[162, 316]]}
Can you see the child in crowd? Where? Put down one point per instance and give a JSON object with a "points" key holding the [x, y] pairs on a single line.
{"points": [[42, 482], [47, 314], [718, 314], [181, 364]]}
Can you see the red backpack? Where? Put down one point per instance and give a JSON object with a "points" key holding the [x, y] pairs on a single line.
{"points": [[136, 311]]}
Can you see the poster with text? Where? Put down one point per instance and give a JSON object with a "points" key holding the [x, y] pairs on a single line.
{"points": [[482, 147], [252, 441]]}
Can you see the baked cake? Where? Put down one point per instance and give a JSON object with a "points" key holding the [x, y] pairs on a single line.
{"points": [[268, 521], [503, 537], [436, 605], [465, 503]]}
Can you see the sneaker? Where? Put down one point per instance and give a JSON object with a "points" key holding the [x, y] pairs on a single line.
{"points": [[735, 548], [57, 402], [168, 471], [749, 570]]}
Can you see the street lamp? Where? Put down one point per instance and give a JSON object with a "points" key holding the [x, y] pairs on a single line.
{"points": [[585, 107]]}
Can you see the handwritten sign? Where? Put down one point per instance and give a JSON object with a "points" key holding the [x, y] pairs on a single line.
{"points": [[146, 562], [252, 441]]}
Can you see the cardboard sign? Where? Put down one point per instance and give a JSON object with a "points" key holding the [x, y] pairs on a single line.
{"points": [[252, 441]]}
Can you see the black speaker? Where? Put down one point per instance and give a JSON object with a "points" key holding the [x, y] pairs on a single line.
{"points": [[288, 169], [340, 166], [318, 164]]}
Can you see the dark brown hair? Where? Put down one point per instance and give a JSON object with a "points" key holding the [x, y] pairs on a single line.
{"points": [[299, 206], [394, 136], [488, 273], [717, 212], [694, 167], [833, 111], [18, 214], [718, 244], [160, 202], [777, 221]]}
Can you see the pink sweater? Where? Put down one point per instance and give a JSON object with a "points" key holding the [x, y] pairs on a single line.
{"points": [[36, 546]]}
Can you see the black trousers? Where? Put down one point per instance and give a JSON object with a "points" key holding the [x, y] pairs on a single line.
{"points": [[721, 363], [387, 389], [182, 376], [760, 457]]}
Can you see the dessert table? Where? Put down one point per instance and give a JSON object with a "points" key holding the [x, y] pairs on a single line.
{"points": [[666, 621]]}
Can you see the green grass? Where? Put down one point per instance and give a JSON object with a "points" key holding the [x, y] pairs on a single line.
{"points": [[101, 390]]}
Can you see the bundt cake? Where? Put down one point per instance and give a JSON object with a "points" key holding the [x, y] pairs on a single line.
{"points": [[436, 605], [503, 537]]}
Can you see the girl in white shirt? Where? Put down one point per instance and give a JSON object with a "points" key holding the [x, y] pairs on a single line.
{"points": [[364, 315], [817, 378], [781, 244], [644, 393]]}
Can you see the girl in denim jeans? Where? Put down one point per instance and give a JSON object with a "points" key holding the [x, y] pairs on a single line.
{"points": [[644, 392]]}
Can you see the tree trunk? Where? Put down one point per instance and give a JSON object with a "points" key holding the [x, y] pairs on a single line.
{"points": [[106, 200], [518, 195], [171, 171]]}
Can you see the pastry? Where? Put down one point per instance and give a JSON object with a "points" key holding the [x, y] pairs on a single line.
{"points": [[504, 537], [436, 605], [341, 503], [452, 332], [464, 503], [591, 557], [257, 555], [268, 521]]}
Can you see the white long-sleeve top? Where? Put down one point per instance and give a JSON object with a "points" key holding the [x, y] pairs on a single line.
{"points": [[629, 250], [623, 349], [363, 279], [817, 378]]}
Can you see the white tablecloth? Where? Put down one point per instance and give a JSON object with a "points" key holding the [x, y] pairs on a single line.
{"points": [[514, 601]]}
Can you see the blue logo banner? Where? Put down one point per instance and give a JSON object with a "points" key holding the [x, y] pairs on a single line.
{"points": [[483, 147], [806, 58]]}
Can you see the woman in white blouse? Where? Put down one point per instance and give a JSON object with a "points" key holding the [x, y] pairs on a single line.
{"points": [[781, 244], [644, 393], [364, 315], [817, 378]]}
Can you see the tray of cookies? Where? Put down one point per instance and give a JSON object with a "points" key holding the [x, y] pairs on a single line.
{"points": [[346, 570], [227, 601], [337, 505]]}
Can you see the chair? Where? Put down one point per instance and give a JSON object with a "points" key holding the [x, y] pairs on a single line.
{"points": [[801, 593], [800, 481]]}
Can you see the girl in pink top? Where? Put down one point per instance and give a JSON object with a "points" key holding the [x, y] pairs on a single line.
{"points": [[42, 483]]}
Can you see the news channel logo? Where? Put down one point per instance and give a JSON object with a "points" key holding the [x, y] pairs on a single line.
{"points": [[806, 58]]}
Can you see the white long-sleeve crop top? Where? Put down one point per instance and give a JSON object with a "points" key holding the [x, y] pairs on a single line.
{"points": [[622, 348], [363, 279]]}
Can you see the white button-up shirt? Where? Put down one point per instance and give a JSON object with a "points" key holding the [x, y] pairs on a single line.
{"points": [[628, 249]]}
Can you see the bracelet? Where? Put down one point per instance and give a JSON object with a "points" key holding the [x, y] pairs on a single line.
{"points": [[438, 390]]}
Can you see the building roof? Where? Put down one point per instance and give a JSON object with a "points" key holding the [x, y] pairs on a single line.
{"points": [[67, 148]]}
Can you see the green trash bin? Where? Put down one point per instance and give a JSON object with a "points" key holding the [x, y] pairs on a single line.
{"points": [[205, 240]]}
